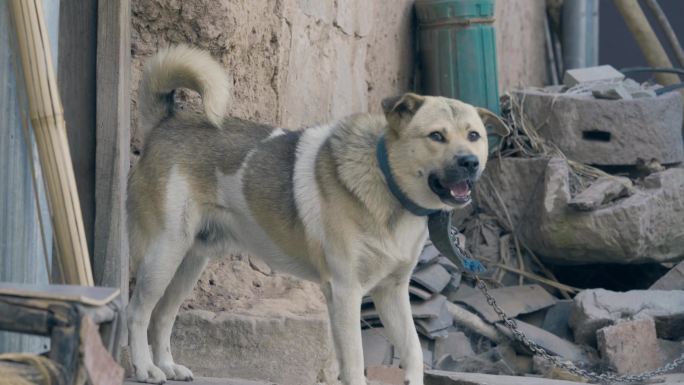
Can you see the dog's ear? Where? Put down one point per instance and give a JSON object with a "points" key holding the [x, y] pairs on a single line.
{"points": [[400, 109], [493, 122]]}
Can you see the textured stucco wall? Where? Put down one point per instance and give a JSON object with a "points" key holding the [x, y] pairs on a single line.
{"points": [[293, 62], [520, 43], [301, 62]]}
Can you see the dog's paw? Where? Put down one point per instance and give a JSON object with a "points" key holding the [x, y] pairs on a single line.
{"points": [[176, 372], [149, 374]]}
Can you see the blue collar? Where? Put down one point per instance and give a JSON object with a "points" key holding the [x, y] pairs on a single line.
{"points": [[406, 202]]}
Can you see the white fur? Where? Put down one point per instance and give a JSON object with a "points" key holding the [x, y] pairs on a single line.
{"points": [[276, 133], [307, 196], [182, 66]]}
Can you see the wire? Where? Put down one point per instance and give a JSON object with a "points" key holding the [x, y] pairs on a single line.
{"points": [[632, 70]]}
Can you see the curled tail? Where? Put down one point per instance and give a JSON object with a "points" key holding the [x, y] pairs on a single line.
{"points": [[182, 67]]}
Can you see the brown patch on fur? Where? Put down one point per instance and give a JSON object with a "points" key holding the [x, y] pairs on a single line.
{"points": [[268, 188], [198, 148]]}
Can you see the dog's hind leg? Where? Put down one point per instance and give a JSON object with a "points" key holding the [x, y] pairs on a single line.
{"points": [[165, 313], [162, 256], [344, 308], [154, 275], [392, 303]]}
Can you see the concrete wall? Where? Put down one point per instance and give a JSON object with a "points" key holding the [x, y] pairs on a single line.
{"points": [[302, 62]]}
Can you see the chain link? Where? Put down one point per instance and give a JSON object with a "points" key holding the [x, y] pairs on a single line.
{"points": [[604, 378]]}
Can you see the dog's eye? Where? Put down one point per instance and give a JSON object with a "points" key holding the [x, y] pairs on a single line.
{"points": [[473, 136], [437, 136]]}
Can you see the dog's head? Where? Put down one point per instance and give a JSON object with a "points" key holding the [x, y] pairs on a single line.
{"points": [[437, 147]]}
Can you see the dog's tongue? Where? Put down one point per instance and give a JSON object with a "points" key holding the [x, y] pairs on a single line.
{"points": [[460, 190]]}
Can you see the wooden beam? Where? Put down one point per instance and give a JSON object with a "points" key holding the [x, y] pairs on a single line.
{"points": [[646, 39], [47, 119], [112, 144], [76, 78]]}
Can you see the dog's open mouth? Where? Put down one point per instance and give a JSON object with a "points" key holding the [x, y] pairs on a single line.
{"points": [[454, 193]]}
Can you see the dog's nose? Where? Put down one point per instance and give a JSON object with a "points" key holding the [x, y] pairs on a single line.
{"points": [[469, 162]]}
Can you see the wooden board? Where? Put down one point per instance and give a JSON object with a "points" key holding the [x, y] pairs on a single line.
{"points": [[93, 296], [112, 144], [76, 77]]}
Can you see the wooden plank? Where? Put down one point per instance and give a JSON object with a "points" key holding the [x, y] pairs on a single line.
{"points": [[21, 319], [76, 78], [64, 349], [112, 144], [92, 296]]}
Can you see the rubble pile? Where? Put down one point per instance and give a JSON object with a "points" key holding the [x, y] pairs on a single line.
{"points": [[590, 178]]}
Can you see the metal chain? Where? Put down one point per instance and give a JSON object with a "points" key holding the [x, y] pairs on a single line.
{"points": [[604, 378]]}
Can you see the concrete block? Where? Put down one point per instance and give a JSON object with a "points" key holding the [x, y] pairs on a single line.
{"points": [[630, 347], [604, 73], [602, 191], [537, 194], [608, 132], [598, 308], [611, 92], [288, 350]]}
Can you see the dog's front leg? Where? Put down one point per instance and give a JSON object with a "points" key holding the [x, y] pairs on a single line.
{"points": [[344, 308], [392, 303]]}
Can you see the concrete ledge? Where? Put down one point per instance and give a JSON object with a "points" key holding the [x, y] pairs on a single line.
{"points": [[287, 350], [209, 381]]}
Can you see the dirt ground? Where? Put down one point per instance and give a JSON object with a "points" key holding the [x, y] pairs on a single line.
{"points": [[241, 286]]}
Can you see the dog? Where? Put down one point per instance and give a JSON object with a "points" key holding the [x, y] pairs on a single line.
{"points": [[315, 203]]}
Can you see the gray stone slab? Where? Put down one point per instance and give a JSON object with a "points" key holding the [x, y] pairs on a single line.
{"points": [[455, 345], [514, 300], [434, 277], [377, 350], [673, 280], [556, 319], [604, 73], [597, 308], [450, 266], [551, 342], [602, 191], [428, 254], [437, 377], [435, 327], [430, 308], [420, 292]]}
